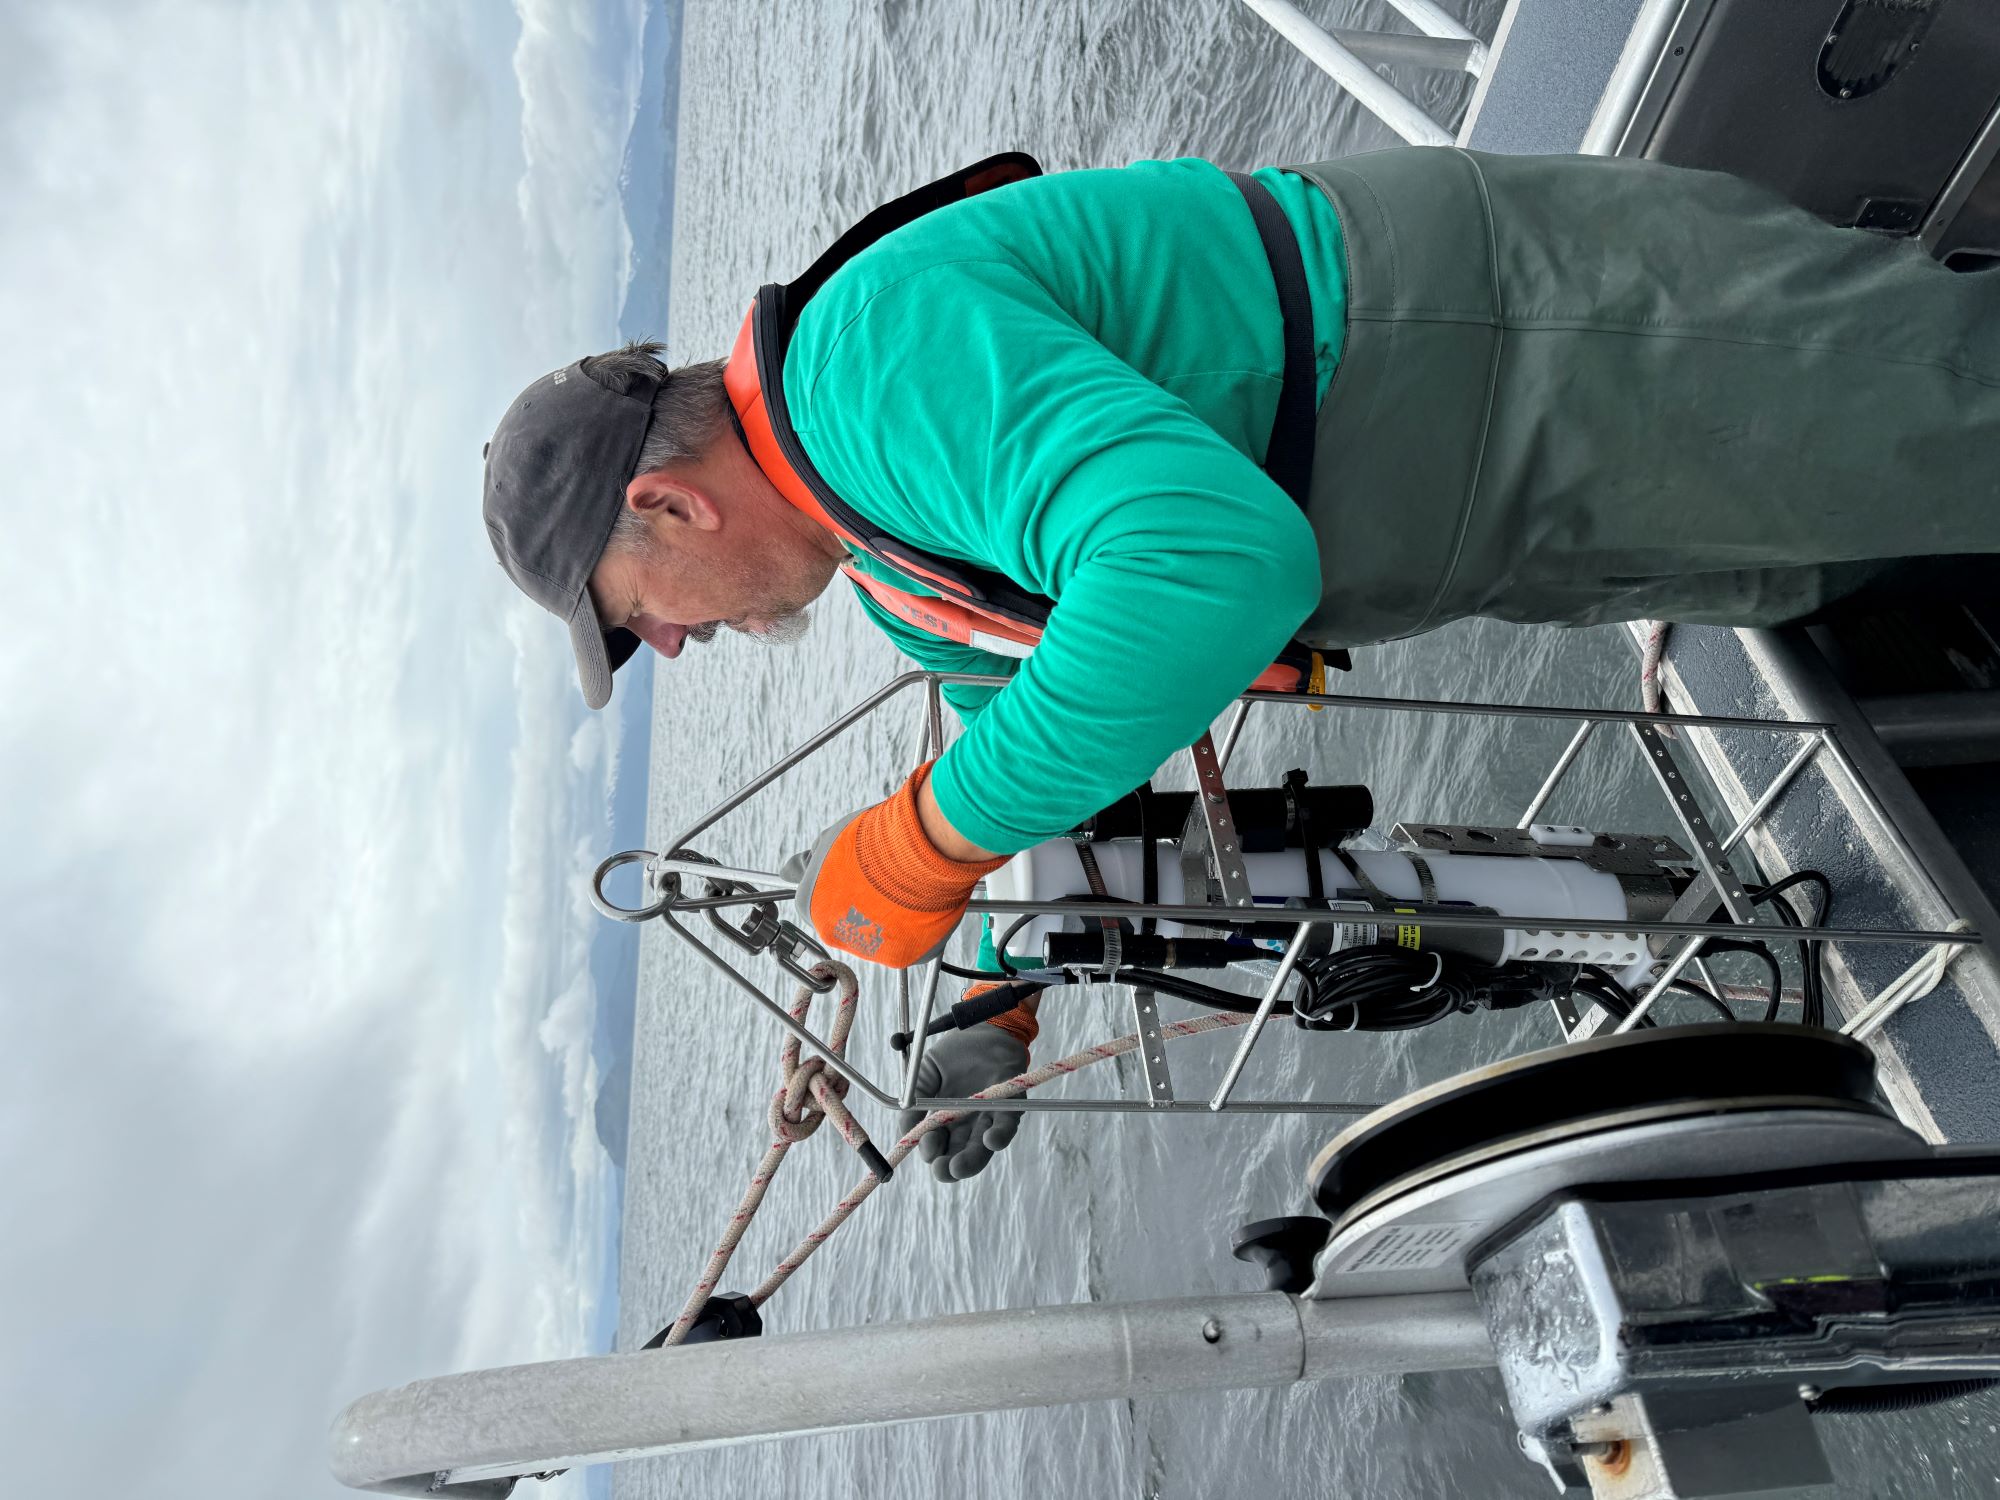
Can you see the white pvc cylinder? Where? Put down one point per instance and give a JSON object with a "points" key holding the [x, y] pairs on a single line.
{"points": [[1509, 884]]}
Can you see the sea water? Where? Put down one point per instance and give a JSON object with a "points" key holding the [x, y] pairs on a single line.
{"points": [[797, 116]]}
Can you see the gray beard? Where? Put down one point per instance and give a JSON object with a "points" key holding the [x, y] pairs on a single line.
{"points": [[787, 629]]}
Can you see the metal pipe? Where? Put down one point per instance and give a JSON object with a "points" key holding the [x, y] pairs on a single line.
{"points": [[1393, 48], [1026, 1105], [1690, 950], [1776, 789], [528, 1419], [1562, 765], [934, 718], [1265, 1006], [1539, 711], [920, 1034], [1370, 90], [832, 731], [1231, 732], [1605, 135], [1468, 921], [783, 1017], [767, 882], [1432, 20], [1707, 979]]}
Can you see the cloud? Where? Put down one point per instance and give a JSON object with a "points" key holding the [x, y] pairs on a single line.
{"points": [[299, 794]]}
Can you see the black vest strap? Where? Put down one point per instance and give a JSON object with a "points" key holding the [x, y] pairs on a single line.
{"points": [[1289, 457]]}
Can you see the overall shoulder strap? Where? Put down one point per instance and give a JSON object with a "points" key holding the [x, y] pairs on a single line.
{"points": [[1288, 456], [955, 187]]}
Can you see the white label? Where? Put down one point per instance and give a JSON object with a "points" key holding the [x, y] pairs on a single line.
{"points": [[1406, 1247], [1000, 646]]}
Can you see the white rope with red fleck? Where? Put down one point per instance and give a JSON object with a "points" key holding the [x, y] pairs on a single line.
{"points": [[826, 1089], [1649, 670], [807, 1098]]}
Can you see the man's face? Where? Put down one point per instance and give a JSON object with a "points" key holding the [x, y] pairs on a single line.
{"points": [[727, 552]]}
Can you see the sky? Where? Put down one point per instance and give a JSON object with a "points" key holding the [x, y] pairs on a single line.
{"points": [[297, 798]]}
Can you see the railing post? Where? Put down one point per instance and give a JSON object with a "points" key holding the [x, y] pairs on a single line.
{"points": [[1373, 92], [1430, 18]]}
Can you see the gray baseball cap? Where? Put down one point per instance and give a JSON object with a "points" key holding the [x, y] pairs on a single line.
{"points": [[556, 473]]}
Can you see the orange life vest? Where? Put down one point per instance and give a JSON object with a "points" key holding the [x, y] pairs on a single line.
{"points": [[977, 606]]}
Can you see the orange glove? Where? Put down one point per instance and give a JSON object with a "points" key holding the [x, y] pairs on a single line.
{"points": [[1020, 1023], [875, 886]]}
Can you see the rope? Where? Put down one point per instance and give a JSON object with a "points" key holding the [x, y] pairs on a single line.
{"points": [[807, 1098], [1913, 983], [1649, 670], [795, 1121]]}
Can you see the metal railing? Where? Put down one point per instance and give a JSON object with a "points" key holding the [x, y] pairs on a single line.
{"points": [[670, 876], [1349, 57], [466, 1436]]}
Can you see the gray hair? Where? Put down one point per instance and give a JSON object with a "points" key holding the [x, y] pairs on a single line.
{"points": [[688, 413]]}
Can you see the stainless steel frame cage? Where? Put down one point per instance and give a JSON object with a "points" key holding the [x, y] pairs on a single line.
{"points": [[668, 875]]}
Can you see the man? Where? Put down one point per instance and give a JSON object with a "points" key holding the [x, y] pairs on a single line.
{"points": [[1158, 428]]}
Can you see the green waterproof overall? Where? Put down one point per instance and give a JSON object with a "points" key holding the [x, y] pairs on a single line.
{"points": [[1726, 412], [1552, 389]]}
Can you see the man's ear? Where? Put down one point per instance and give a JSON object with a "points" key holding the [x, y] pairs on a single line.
{"points": [[660, 494]]}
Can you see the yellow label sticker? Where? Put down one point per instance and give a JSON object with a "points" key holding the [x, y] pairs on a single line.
{"points": [[1409, 935]]}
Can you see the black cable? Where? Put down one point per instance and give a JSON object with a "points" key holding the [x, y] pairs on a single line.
{"points": [[1215, 998], [1811, 982], [1597, 986], [1762, 951], [1812, 991], [1385, 988], [983, 975], [1000, 948]]}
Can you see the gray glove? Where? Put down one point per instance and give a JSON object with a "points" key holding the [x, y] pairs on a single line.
{"points": [[956, 1066]]}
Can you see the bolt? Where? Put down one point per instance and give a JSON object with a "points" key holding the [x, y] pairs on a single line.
{"points": [[1809, 1392], [1211, 1331], [1615, 1460]]}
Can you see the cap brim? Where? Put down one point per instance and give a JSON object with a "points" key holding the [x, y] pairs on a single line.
{"points": [[593, 659]]}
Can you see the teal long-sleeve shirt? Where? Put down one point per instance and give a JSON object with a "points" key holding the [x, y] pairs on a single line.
{"points": [[1071, 381]]}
